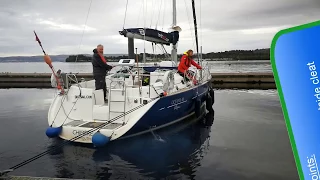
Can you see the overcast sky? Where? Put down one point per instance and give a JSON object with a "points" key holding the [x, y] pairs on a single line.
{"points": [[222, 24]]}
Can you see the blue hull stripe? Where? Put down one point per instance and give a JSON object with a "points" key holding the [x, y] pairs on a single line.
{"points": [[170, 108]]}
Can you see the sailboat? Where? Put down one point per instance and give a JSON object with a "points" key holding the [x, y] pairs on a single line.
{"points": [[81, 115]]}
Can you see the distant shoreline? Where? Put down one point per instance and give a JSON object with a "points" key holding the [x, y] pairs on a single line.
{"points": [[232, 56]]}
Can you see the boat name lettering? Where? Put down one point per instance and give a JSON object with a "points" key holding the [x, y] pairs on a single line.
{"points": [[77, 133], [83, 97], [163, 37], [177, 101]]}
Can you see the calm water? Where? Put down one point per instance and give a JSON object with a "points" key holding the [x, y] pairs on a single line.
{"points": [[245, 139], [41, 67]]}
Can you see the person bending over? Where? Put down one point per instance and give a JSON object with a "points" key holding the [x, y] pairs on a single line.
{"points": [[185, 62]]}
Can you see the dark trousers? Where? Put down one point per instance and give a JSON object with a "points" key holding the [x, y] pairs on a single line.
{"points": [[185, 77], [100, 83]]}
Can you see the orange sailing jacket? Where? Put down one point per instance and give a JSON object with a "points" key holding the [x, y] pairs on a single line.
{"points": [[185, 63]]}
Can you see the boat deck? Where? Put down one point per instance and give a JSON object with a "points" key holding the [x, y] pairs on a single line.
{"points": [[86, 124]]}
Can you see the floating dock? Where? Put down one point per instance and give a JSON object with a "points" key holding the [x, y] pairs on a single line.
{"points": [[219, 80]]}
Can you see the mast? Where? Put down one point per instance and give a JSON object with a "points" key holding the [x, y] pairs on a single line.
{"points": [[174, 56], [201, 54], [144, 35], [195, 28]]}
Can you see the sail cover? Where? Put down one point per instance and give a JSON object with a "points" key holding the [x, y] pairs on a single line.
{"points": [[151, 35]]}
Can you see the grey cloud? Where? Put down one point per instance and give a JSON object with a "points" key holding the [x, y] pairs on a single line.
{"points": [[221, 19], [256, 14]]}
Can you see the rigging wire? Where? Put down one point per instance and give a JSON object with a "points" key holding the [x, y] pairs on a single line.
{"points": [[163, 17], [164, 14], [140, 12], [201, 30], [160, 8], [145, 12], [144, 32], [125, 15], [164, 50], [153, 6], [192, 39], [154, 45], [195, 27], [85, 24]]}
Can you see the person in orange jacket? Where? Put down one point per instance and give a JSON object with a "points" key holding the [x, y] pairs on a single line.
{"points": [[185, 62]]}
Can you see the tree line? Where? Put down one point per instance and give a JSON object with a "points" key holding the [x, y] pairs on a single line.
{"points": [[258, 54]]}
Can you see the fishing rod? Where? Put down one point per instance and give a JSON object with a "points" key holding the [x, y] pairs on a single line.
{"points": [[48, 60]]}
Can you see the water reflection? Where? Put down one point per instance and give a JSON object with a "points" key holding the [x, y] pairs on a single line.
{"points": [[174, 152]]}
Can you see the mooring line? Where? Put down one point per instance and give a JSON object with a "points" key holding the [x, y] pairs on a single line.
{"points": [[2, 173]]}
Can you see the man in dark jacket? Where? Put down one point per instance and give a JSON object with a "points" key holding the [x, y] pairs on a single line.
{"points": [[100, 68]]}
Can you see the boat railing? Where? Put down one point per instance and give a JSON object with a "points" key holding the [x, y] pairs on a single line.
{"points": [[194, 77], [69, 79], [186, 75], [205, 73], [140, 80]]}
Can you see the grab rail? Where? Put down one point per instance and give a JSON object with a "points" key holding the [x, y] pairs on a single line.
{"points": [[69, 78], [124, 92]]}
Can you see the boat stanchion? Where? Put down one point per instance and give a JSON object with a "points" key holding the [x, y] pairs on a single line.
{"points": [[99, 140], [53, 132]]}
